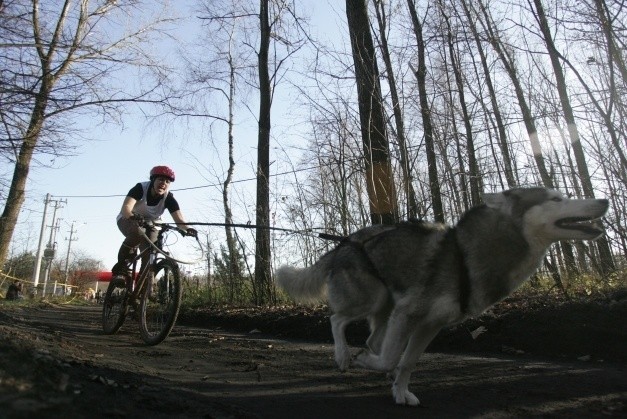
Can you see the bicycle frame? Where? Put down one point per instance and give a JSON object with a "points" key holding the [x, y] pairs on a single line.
{"points": [[154, 294], [135, 283]]}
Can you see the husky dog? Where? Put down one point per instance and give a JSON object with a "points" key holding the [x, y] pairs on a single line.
{"points": [[412, 279]]}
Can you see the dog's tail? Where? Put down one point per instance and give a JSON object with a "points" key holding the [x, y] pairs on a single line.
{"points": [[307, 285]]}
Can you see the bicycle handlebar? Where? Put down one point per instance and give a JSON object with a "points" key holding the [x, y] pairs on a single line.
{"points": [[165, 227]]}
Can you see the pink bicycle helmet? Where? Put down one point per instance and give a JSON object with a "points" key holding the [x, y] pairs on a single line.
{"points": [[164, 171]]}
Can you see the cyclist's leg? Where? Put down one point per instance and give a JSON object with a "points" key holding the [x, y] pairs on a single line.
{"points": [[144, 246], [125, 256], [132, 238]]}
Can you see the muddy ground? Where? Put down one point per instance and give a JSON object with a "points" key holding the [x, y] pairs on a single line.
{"points": [[537, 357]]}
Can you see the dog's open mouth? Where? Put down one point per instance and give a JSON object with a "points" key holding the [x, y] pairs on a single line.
{"points": [[585, 224]]}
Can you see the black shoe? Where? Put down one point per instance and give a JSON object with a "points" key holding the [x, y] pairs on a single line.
{"points": [[120, 269]]}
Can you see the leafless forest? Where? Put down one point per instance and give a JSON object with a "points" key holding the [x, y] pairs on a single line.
{"points": [[477, 96], [413, 112]]}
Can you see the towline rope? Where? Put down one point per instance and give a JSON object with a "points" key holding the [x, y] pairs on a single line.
{"points": [[310, 232]]}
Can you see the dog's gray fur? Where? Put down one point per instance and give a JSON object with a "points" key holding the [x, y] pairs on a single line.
{"points": [[412, 279]]}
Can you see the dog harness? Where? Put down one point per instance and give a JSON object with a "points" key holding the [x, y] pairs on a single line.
{"points": [[448, 244]]}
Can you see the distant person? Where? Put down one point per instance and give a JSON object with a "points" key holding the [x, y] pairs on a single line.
{"points": [[15, 291], [148, 201]]}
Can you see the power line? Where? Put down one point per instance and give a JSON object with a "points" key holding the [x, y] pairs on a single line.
{"points": [[214, 185]]}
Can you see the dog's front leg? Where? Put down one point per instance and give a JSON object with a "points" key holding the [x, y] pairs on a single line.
{"points": [[417, 344]]}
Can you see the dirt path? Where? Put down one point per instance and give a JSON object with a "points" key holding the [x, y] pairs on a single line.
{"points": [[55, 363]]}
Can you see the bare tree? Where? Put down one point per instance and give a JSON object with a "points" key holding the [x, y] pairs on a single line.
{"points": [[474, 179], [406, 169], [425, 110], [607, 263], [272, 20], [262, 240], [508, 61], [214, 80], [501, 131], [379, 179], [59, 64]]}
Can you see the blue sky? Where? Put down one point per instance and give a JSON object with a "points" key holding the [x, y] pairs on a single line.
{"points": [[90, 181], [95, 180]]}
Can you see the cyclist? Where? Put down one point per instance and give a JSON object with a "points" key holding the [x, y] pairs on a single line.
{"points": [[148, 201]]}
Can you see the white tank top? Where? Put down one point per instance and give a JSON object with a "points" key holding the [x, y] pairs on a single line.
{"points": [[142, 208]]}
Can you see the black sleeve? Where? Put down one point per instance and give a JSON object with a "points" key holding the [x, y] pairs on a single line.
{"points": [[136, 192], [171, 204]]}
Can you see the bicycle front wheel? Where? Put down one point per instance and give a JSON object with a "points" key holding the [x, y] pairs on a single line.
{"points": [[160, 302], [114, 307]]}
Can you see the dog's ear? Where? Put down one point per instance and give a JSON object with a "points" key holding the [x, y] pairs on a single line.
{"points": [[498, 201]]}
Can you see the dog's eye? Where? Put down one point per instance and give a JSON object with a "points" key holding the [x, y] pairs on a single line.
{"points": [[556, 199]]}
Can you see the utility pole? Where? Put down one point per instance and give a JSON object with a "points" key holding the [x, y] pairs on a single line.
{"points": [[51, 248], [40, 246], [47, 253], [67, 257], [52, 245]]}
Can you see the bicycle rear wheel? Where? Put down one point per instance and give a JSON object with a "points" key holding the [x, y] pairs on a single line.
{"points": [[114, 306], [160, 303]]}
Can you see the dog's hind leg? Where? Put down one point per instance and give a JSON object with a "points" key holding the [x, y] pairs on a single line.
{"points": [[338, 328], [353, 294], [378, 325], [394, 341], [417, 344]]}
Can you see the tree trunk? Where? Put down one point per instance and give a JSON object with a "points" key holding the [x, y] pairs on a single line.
{"points": [[474, 178], [379, 178], [263, 284], [234, 266], [427, 126], [410, 193], [17, 190]]}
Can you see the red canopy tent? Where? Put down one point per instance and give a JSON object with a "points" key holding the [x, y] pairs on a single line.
{"points": [[104, 276]]}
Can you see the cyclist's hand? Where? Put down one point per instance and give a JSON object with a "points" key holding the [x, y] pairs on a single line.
{"points": [[137, 217], [192, 232]]}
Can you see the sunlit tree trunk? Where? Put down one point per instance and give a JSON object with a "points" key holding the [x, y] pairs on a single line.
{"points": [[379, 177], [410, 193]]}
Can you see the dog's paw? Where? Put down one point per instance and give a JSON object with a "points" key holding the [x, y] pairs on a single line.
{"points": [[343, 359], [404, 397], [342, 356], [362, 359]]}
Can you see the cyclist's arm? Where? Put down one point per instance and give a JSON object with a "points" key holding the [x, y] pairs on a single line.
{"points": [[127, 207], [178, 218], [134, 195]]}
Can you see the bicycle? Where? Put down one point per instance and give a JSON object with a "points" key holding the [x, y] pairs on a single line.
{"points": [[155, 295]]}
